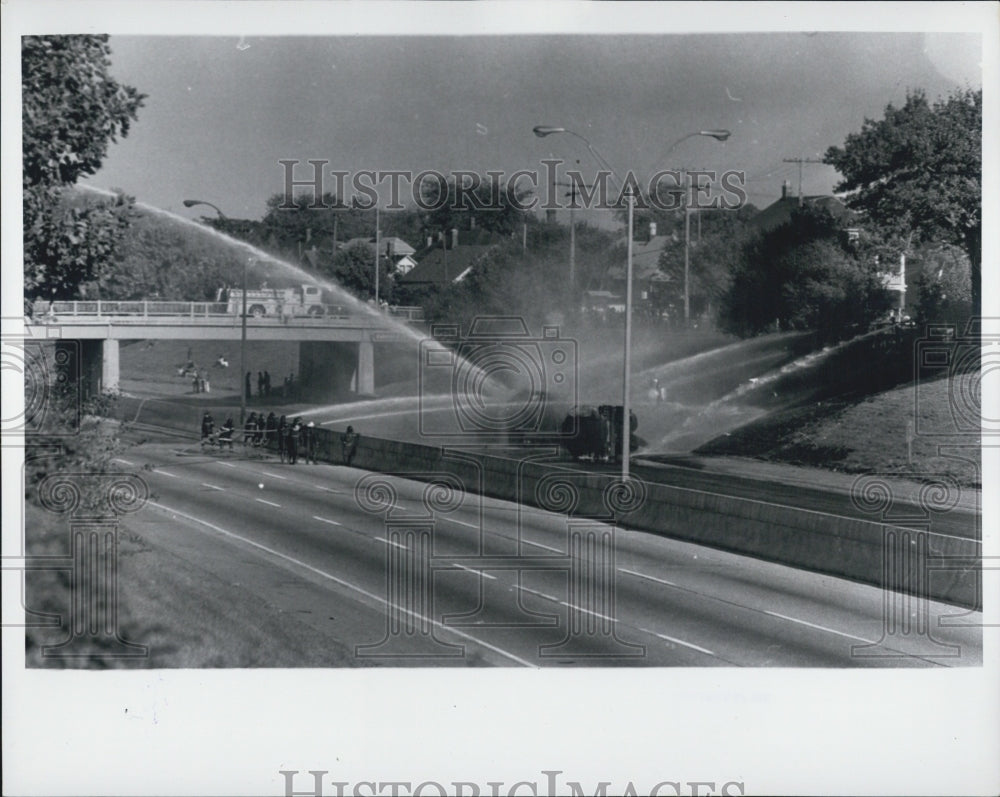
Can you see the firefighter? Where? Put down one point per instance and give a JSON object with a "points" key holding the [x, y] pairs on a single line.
{"points": [[270, 428], [258, 438], [312, 442], [282, 438], [294, 439], [226, 436], [349, 444], [207, 427], [249, 427]]}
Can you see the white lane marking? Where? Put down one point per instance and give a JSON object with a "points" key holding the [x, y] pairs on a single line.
{"points": [[651, 578], [588, 611], [227, 464], [329, 489], [124, 461], [274, 475], [677, 641], [212, 486], [171, 475], [539, 594], [818, 627], [539, 545], [461, 522], [347, 584], [390, 542], [269, 503], [477, 572], [327, 520]]}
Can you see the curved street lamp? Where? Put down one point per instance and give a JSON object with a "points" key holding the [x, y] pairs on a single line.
{"points": [[547, 130], [190, 203]]}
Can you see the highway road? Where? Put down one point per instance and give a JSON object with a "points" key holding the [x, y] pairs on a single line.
{"points": [[320, 580]]}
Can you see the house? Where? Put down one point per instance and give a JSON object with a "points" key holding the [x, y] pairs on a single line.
{"points": [[396, 250], [448, 258], [780, 211], [645, 265]]}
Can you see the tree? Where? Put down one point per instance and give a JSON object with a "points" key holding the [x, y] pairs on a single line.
{"points": [[918, 172], [494, 206], [803, 275], [72, 110], [712, 261], [943, 284]]}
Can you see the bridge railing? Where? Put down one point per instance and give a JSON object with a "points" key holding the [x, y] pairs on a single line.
{"points": [[135, 309]]}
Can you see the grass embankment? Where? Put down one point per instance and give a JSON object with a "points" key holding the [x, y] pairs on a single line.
{"points": [[184, 613], [905, 430]]}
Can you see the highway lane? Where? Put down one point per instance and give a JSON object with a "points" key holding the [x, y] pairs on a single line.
{"points": [[676, 604]]}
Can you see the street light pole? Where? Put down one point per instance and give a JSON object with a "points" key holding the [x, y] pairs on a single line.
{"points": [[627, 376], [378, 245], [190, 203], [547, 130], [687, 254], [243, 348]]}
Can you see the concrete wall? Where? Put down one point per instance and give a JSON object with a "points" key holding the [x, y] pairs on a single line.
{"points": [[841, 546]]}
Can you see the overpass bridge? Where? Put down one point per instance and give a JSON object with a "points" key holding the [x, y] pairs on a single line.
{"points": [[336, 346]]}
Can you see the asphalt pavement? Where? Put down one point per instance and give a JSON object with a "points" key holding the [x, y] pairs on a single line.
{"points": [[394, 575]]}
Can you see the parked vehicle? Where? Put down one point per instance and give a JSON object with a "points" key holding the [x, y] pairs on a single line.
{"points": [[278, 302]]}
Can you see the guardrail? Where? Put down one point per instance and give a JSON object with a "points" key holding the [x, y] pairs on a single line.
{"points": [[100, 308]]}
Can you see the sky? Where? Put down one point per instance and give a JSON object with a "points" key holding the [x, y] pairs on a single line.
{"points": [[223, 110]]}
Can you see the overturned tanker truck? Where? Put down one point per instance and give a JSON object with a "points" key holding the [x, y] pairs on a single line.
{"points": [[595, 433]]}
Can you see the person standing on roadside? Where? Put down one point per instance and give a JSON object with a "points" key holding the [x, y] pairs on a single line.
{"points": [[270, 428], [249, 392], [312, 442], [349, 445], [282, 438], [249, 428], [258, 438], [294, 440], [207, 427], [226, 436]]}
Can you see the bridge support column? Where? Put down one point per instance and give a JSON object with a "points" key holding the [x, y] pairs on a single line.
{"points": [[81, 361], [110, 366], [365, 382]]}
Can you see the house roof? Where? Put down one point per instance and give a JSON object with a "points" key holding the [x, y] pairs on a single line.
{"points": [[395, 247], [780, 211], [439, 265]]}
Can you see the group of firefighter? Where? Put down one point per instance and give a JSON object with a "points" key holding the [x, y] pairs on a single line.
{"points": [[293, 438]]}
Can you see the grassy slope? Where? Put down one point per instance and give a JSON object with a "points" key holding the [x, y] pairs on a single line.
{"points": [[878, 433]]}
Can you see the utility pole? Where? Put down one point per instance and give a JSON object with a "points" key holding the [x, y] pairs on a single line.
{"points": [[800, 161], [572, 233], [378, 244]]}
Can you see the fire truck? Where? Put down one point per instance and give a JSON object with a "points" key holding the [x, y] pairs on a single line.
{"points": [[298, 301]]}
